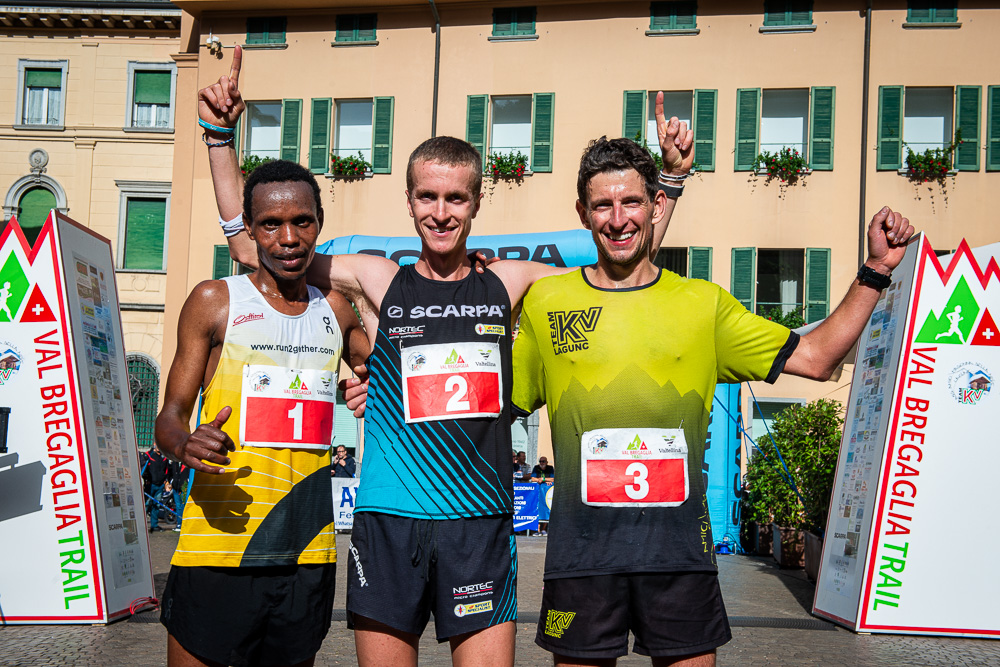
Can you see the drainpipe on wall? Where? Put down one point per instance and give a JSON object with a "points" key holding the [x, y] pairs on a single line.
{"points": [[862, 216], [437, 67]]}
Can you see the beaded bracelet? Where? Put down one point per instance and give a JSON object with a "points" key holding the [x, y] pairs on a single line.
{"points": [[204, 137]]}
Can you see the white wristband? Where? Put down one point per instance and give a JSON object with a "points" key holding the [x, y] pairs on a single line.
{"points": [[231, 227]]}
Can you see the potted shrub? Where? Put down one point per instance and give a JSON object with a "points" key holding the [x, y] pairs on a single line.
{"points": [[350, 167], [792, 490], [251, 162], [509, 166], [932, 164], [787, 165]]}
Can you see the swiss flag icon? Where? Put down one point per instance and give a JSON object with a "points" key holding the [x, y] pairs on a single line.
{"points": [[987, 333], [37, 309]]}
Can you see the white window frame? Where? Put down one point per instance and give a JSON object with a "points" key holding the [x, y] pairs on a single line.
{"points": [[531, 127], [248, 130], [653, 140], [365, 152], [22, 65], [756, 416], [135, 66], [798, 305], [949, 118], [140, 190]]}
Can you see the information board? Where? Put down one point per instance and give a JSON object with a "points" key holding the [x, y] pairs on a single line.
{"points": [[915, 459], [73, 525]]}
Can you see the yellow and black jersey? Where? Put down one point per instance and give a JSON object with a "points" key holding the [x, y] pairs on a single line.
{"points": [[637, 358]]}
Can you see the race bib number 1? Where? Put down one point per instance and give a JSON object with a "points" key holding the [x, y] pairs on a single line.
{"points": [[451, 381], [287, 408], [627, 467]]}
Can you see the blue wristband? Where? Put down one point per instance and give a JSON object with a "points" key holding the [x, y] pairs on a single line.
{"points": [[215, 128]]}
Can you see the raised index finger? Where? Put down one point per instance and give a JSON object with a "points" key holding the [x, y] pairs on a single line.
{"points": [[234, 70]]}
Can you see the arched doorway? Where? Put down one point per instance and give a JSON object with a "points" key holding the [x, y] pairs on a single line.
{"points": [[33, 209], [144, 387]]}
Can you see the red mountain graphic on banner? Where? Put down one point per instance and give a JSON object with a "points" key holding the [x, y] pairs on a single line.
{"points": [[37, 309], [987, 333]]}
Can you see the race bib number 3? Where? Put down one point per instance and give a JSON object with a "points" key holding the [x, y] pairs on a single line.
{"points": [[288, 408], [634, 467], [451, 381]]}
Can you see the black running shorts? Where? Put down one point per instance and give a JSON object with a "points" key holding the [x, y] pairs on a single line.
{"points": [[464, 571], [249, 615], [673, 614]]}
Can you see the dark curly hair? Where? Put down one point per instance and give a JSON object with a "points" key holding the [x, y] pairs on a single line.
{"points": [[278, 171], [604, 155]]}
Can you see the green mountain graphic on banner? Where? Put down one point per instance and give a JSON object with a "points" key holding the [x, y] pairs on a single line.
{"points": [[13, 288], [954, 325], [454, 358], [637, 443]]}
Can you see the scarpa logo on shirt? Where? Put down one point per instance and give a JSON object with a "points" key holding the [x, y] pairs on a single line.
{"points": [[568, 328], [557, 622], [395, 311]]}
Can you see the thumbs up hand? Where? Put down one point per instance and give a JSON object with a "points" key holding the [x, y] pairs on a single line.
{"points": [[208, 444]]}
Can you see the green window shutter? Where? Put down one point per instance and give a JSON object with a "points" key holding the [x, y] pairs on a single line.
{"points": [[787, 12], [542, 128], [747, 128], [967, 104], [475, 123], [346, 27], [993, 128], [685, 15], [43, 78], [817, 287], [744, 276], [291, 129], [366, 27], [800, 12], [145, 220], [236, 138], [152, 88], [634, 115], [890, 127], [775, 12], [276, 30], [705, 103], [503, 22], [319, 136], [382, 134], [524, 20], [946, 11], [660, 16], [821, 117], [919, 11], [700, 263], [256, 30], [222, 265]]}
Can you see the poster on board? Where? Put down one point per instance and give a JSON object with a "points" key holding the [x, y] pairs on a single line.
{"points": [[915, 456], [73, 525]]}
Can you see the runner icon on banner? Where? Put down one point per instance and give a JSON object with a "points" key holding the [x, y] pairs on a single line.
{"points": [[451, 381], [628, 467], [287, 408]]}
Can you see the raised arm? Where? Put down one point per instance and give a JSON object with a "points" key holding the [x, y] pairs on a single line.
{"points": [[677, 151], [822, 349]]}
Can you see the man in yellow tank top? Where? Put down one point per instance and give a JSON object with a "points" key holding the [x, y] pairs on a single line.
{"points": [[252, 578]]}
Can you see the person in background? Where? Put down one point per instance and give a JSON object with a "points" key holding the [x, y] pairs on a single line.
{"points": [[178, 478], [543, 473], [154, 473], [343, 463]]}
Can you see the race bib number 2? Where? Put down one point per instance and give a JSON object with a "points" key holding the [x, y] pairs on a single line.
{"points": [[625, 467], [287, 408], [451, 381]]}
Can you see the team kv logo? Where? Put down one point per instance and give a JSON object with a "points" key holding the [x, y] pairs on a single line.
{"points": [[568, 327]]}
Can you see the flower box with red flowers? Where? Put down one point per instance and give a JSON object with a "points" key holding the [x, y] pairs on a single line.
{"points": [[786, 165], [512, 165], [350, 166]]}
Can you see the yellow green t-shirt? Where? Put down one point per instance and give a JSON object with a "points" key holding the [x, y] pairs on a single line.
{"points": [[646, 357]]}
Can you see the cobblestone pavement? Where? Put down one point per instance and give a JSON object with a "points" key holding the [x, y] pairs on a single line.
{"points": [[755, 590]]}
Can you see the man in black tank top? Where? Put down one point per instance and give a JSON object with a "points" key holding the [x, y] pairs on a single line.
{"points": [[440, 524]]}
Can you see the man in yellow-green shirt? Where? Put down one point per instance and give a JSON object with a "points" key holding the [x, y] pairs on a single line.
{"points": [[627, 357]]}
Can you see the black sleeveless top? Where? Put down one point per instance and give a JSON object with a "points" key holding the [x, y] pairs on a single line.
{"points": [[442, 335]]}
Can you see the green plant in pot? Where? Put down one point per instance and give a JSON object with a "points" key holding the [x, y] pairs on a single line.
{"points": [[808, 439]]}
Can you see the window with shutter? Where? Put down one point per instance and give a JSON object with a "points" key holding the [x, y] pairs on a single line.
{"points": [[222, 264], [510, 125], [700, 263], [783, 120], [890, 127], [931, 11], [41, 95], [356, 28], [542, 129], [677, 15], [675, 103], [319, 135], [967, 105], [747, 125], [513, 21], [743, 275], [291, 129], [152, 97], [779, 280], [382, 135], [477, 107], [145, 224], [355, 131], [821, 128], [672, 259], [705, 104], [633, 113], [993, 128], [787, 12], [263, 131], [33, 210], [817, 305], [266, 30]]}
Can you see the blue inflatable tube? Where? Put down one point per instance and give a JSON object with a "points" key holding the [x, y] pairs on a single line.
{"points": [[569, 248]]}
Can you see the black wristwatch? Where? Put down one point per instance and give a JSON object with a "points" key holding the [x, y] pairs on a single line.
{"points": [[879, 281]]}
